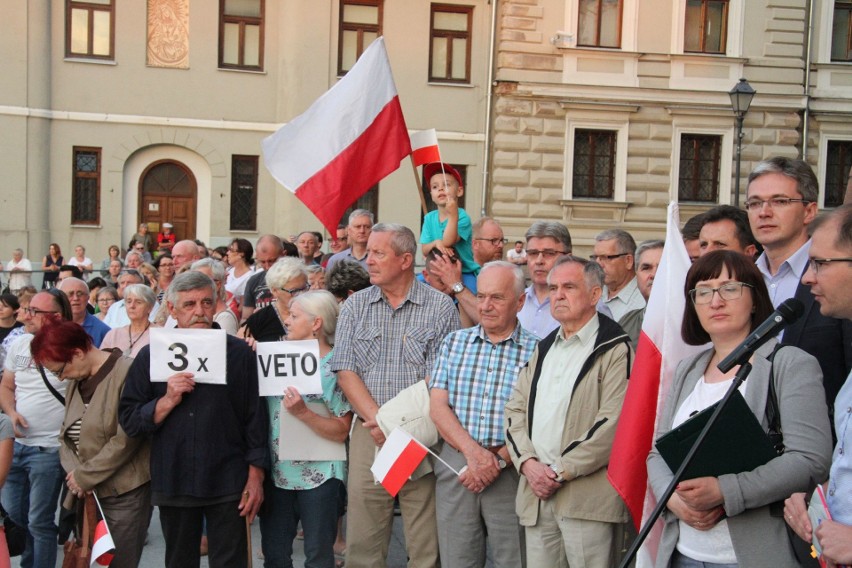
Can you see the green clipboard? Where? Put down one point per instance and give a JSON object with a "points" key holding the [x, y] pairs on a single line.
{"points": [[736, 442]]}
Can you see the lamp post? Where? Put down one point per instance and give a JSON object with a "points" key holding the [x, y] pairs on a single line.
{"points": [[741, 96]]}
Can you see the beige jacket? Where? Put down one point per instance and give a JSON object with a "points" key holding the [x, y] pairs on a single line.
{"points": [[109, 461], [587, 433]]}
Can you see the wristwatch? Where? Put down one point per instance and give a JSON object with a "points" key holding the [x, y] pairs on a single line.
{"points": [[501, 462], [458, 288], [558, 473]]}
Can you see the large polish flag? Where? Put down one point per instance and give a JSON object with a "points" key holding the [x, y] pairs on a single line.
{"points": [[347, 141], [658, 353], [396, 461]]}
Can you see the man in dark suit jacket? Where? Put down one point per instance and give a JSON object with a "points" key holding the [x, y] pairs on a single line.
{"points": [[781, 202]]}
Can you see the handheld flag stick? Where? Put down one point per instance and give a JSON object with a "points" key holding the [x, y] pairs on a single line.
{"points": [[419, 187]]}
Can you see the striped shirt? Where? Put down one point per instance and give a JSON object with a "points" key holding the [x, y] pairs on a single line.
{"points": [[390, 348], [479, 375]]}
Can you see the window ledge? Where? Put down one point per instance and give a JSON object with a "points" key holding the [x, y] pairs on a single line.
{"points": [[249, 71], [77, 226], [90, 60], [448, 84], [593, 211]]}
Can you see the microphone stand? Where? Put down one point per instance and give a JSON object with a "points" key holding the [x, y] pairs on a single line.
{"points": [[739, 378]]}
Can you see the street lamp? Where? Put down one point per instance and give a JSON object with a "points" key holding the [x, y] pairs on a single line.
{"points": [[741, 96]]}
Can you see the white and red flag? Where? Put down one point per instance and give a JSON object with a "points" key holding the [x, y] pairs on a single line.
{"points": [[396, 461], [347, 141], [103, 547], [659, 351], [424, 147]]}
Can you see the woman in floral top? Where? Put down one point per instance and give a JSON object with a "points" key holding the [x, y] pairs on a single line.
{"points": [[307, 491]]}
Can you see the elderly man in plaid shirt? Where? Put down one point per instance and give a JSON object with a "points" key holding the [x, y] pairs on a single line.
{"points": [[473, 378], [387, 339]]}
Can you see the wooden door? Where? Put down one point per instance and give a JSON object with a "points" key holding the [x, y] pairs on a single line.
{"points": [[168, 191]]}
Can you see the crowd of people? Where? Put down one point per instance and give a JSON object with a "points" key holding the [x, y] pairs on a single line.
{"points": [[516, 363]]}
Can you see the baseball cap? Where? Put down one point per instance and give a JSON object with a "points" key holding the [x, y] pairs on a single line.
{"points": [[435, 168]]}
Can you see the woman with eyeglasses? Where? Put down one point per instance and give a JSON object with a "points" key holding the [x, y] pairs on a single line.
{"points": [[308, 491], [286, 278], [165, 265], [737, 519], [241, 262], [98, 456], [106, 297]]}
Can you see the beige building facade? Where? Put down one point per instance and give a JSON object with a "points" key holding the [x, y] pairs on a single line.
{"points": [[596, 113], [114, 112], [606, 110]]}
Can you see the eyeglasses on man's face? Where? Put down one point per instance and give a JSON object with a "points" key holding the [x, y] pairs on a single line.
{"points": [[32, 312], [546, 253], [494, 242], [816, 263], [606, 257], [773, 203]]}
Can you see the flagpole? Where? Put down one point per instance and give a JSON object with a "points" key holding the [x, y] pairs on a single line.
{"points": [[419, 187], [98, 503], [437, 457]]}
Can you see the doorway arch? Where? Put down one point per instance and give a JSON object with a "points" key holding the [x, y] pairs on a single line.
{"points": [[167, 193]]}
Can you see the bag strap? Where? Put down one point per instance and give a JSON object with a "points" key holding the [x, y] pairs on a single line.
{"points": [[49, 386], [773, 415]]}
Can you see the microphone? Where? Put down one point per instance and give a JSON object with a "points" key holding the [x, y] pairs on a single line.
{"points": [[788, 312]]}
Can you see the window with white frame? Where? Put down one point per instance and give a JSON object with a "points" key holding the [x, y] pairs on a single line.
{"points": [[603, 23], [599, 23], [698, 174], [711, 27], [702, 158], [841, 31], [596, 156], [706, 26]]}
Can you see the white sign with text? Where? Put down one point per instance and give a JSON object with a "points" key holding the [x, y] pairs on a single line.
{"points": [[282, 364], [201, 352]]}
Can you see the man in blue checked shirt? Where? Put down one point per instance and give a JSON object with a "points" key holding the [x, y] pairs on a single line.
{"points": [[473, 377]]}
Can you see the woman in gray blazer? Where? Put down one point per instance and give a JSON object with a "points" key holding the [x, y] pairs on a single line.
{"points": [[731, 520]]}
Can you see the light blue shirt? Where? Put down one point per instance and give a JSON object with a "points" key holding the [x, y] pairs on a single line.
{"points": [[782, 285], [535, 317], [839, 493]]}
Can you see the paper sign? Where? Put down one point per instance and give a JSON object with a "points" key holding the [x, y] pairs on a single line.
{"points": [[197, 351], [301, 443], [282, 364]]}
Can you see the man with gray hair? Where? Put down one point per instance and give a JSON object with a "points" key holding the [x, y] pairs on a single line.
{"points": [[473, 377], [20, 271], [574, 386], [387, 339], [77, 293], [358, 232], [546, 242], [648, 255], [615, 253], [781, 202], [209, 442]]}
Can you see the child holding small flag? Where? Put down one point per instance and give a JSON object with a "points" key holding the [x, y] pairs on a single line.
{"points": [[450, 225]]}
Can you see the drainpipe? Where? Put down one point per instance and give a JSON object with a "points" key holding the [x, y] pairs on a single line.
{"points": [[809, 20], [486, 158]]}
